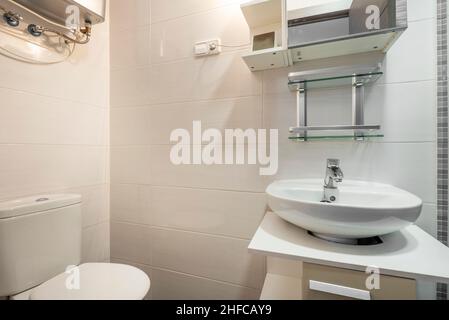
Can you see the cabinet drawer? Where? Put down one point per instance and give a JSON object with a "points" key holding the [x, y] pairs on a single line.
{"points": [[328, 283]]}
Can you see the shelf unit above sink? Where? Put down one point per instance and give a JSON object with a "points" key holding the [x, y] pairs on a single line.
{"points": [[357, 77], [289, 32], [334, 77]]}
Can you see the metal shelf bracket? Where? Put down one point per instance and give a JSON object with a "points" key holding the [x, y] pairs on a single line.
{"points": [[299, 83]]}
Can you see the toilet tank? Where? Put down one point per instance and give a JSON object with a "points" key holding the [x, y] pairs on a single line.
{"points": [[39, 238]]}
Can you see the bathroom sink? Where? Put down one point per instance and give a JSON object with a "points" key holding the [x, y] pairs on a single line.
{"points": [[363, 209]]}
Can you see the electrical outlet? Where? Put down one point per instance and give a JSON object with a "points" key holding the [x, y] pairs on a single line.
{"points": [[208, 48]]}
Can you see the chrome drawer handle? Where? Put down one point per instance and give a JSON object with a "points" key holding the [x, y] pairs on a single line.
{"points": [[339, 290]]}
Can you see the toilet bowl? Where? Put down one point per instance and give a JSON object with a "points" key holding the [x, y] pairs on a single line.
{"points": [[97, 281], [40, 255]]}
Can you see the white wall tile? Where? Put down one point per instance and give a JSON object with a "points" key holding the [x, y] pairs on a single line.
{"points": [[83, 78], [129, 14], [131, 203], [163, 10], [410, 60], [131, 48], [326, 107], [130, 86], [35, 119], [235, 214], [154, 124], [174, 39], [182, 81], [419, 10], [223, 76], [391, 163], [222, 177], [428, 219], [96, 243], [29, 169], [168, 285], [219, 258], [406, 111], [131, 165], [95, 206], [131, 126], [131, 242]]}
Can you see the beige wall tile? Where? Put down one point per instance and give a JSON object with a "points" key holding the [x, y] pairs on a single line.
{"points": [[222, 177], [96, 243], [30, 169], [167, 285], [129, 14], [131, 48], [154, 124], [131, 165], [234, 214], [131, 203], [219, 258], [163, 10], [131, 242], [174, 39], [35, 119]]}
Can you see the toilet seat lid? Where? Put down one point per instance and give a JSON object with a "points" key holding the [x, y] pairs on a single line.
{"points": [[97, 281]]}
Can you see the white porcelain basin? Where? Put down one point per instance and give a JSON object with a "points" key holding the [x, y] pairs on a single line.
{"points": [[363, 209]]}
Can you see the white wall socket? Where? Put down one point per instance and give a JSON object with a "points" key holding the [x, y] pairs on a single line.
{"points": [[207, 48]]}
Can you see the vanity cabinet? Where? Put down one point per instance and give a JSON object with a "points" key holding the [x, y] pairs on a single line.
{"points": [[293, 280], [303, 267], [329, 283]]}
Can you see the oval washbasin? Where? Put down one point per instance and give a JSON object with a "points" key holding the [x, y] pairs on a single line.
{"points": [[363, 209]]}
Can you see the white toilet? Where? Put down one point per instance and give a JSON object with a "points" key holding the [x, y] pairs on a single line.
{"points": [[40, 253]]}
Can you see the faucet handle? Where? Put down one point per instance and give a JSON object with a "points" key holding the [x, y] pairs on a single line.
{"points": [[332, 163]]}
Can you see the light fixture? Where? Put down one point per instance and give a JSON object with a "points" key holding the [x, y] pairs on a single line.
{"points": [[35, 30], [13, 20]]}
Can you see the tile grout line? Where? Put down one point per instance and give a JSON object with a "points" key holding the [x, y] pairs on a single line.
{"points": [[51, 97], [180, 230], [152, 267]]}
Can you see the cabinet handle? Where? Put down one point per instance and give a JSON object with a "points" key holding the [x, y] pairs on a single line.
{"points": [[339, 290]]}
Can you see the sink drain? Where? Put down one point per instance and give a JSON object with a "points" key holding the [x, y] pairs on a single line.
{"points": [[374, 241]]}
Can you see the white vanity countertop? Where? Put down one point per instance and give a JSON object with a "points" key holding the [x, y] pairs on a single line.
{"points": [[410, 253]]}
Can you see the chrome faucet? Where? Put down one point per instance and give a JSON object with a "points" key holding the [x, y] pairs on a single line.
{"points": [[334, 175]]}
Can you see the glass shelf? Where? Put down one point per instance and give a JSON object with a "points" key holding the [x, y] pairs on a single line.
{"points": [[338, 137], [356, 76], [334, 77], [362, 129]]}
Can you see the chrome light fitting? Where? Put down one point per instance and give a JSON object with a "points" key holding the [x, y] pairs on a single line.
{"points": [[34, 30]]}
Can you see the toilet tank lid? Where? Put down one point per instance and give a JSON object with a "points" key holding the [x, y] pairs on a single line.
{"points": [[36, 204]]}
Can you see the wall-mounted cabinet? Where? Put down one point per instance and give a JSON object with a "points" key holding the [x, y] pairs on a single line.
{"points": [[267, 21], [309, 30]]}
